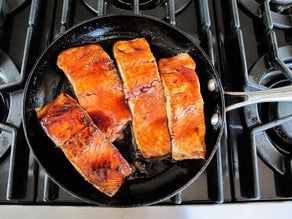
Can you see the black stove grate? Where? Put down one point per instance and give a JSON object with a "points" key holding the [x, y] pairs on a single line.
{"points": [[161, 9], [280, 11], [258, 46]]}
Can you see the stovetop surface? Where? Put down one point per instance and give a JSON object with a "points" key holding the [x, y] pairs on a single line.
{"points": [[234, 39]]}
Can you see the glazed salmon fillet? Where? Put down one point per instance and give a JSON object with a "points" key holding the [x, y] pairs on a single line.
{"points": [[85, 146], [98, 87], [144, 92], [185, 106]]}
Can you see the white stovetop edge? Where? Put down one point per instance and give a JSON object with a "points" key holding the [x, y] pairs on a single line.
{"points": [[258, 210]]}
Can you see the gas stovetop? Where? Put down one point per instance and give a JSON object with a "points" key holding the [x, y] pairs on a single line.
{"points": [[261, 46], [249, 43]]}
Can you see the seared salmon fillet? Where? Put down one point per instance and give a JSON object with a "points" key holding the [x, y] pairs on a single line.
{"points": [[185, 106], [98, 87], [85, 146], [144, 92]]}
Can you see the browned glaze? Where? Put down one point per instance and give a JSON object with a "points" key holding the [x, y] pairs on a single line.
{"points": [[185, 106], [85, 146], [97, 86], [143, 88]]}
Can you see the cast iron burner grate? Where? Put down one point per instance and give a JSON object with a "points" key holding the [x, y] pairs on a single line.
{"points": [[157, 8], [273, 121], [280, 11], [281, 135]]}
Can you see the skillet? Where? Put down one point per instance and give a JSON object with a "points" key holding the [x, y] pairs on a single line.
{"points": [[156, 179]]}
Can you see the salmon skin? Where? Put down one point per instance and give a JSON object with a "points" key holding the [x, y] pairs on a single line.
{"points": [[98, 87], [144, 92], [184, 106], [84, 145]]}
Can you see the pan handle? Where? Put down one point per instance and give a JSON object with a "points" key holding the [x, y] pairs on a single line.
{"points": [[271, 95]]}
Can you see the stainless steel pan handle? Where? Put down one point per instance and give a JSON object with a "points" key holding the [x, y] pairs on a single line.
{"points": [[271, 95]]}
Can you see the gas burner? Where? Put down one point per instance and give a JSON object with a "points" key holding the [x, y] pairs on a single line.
{"points": [[281, 135], [280, 11], [156, 8], [10, 119], [10, 103], [271, 123], [143, 4]]}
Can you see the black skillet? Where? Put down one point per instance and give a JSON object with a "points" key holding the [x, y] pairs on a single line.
{"points": [[155, 179]]}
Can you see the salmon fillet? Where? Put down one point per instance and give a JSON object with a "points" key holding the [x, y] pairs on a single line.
{"points": [[85, 146], [144, 92], [97, 86], [185, 106]]}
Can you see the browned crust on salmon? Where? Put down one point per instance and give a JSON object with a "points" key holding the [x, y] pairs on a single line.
{"points": [[97, 86], [144, 91], [84, 145], [185, 106]]}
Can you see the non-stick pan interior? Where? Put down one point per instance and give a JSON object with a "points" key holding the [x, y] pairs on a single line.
{"points": [[46, 81]]}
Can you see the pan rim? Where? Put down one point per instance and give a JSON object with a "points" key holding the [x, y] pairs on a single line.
{"points": [[205, 163]]}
